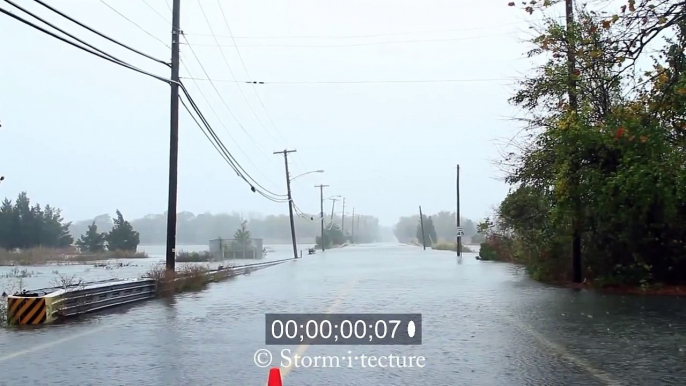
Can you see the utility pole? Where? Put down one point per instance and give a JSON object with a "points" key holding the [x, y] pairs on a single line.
{"points": [[321, 214], [173, 138], [343, 218], [333, 205], [459, 237], [421, 221], [574, 106], [290, 199], [352, 227]]}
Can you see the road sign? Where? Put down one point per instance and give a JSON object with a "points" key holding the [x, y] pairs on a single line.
{"points": [[460, 232]]}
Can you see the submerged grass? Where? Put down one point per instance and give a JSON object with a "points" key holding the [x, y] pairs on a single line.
{"points": [[193, 257], [188, 277], [44, 256], [445, 246]]}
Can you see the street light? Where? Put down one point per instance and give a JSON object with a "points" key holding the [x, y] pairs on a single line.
{"points": [[300, 175]]}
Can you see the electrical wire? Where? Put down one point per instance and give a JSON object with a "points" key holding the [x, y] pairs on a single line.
{"points": [[366, 81], [158, 14], [245, 68], [99, 33], [221, 97], [106, 57], [222, 153], [216, 143], [208, 126], [226, 61], [364, 36], [202, 94], [134, 23], [181, 86], [61, 30], [221, 148], [352, 44]]}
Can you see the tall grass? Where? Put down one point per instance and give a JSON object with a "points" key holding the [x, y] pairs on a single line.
{"points": [[446, 246], [43, 256], [193, 257], [188, 277]]}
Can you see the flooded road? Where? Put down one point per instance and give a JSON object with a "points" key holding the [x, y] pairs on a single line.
{"points": [[483, 324]]}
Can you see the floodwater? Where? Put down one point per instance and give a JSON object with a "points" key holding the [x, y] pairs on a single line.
{"points": [[13, 279], [483, 324]]}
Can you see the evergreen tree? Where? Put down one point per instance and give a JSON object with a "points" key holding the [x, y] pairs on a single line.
{"points": [[242, 236], [92, 241], [26, 226], [122, 237], [7, 229]]}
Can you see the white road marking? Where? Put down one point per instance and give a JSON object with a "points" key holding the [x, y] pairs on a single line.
{"points": [[44, 346], [334, 307]]}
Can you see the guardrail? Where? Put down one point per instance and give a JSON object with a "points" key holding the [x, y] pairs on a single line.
{"points": [[47, 305]]}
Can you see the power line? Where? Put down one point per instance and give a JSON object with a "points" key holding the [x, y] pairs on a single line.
{"points": [[245, 68], [242, 173], [106, 57], [222, 122], [364, 81], [134, 23], [217, 144], [223, 153], [226, 61], [99, 33], [220, 96], [126, 65], [158, 14], [364, 36], [62, 31], [351, 44]]}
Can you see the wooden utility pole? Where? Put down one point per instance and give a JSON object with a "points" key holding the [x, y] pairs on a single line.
{"points": [[574, 106], [173, 138], [459, 236], [321, 214], [343, 218], [290, 199], [333, 206], [421, 221], [352, 227]]}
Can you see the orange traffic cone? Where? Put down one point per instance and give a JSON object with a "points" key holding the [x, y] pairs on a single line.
{"points": [[274, 377]]}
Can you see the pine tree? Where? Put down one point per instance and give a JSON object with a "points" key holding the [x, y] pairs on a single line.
{"points": [[92, 241], [242, 236], [25, 226], [122, 237]]}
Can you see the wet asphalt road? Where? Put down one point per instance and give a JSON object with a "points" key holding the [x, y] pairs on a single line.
{"points": [[483, 324]]}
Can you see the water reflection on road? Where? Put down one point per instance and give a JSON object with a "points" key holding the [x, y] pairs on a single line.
{"points": [[484, 324]]}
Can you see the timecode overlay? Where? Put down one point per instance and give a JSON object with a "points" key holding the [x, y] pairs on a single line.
{"points": [[343, 329]]}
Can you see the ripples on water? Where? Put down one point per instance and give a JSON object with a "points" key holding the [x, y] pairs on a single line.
{"points": [[484, 324]]}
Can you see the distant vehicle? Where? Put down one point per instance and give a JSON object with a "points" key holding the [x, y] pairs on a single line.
{"points": [[311, 251]]}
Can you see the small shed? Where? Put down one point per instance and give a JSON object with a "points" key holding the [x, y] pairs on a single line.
{"points": [[222, 249]]}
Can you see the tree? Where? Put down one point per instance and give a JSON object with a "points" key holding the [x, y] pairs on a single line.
{"points": [[122, 237], [615, 165], [25, 226], [242, 236], [332, 236], [92, 241], [429, 231]]}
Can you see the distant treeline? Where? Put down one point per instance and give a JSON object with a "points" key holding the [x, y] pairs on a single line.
{"points": [[444, 223], [200, 228]]}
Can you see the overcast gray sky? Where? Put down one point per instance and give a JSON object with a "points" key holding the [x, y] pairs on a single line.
{"points": [[89, 137]]}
